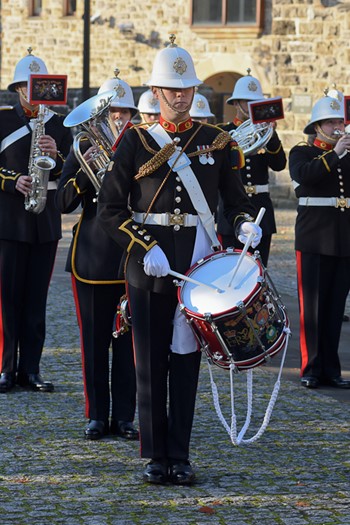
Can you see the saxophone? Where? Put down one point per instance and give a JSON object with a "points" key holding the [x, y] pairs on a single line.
{"points": [[39, 167]]}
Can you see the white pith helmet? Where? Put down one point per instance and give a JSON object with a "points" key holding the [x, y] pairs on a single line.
{"points": [[246, 88], [124, 98], [148, 103], [200, 107], [325, 108], [173, 68], [29, 65]]}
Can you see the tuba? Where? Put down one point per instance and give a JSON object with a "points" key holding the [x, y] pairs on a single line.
{"points": [[99, 128], [39, 167], [252, 137]]}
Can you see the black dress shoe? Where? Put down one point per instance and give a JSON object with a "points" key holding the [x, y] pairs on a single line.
{"points": [[124, 429], [337, 382], [34, 382], [7, 382], [310, 382], [96, 429], [181, 473], [156, 472]]}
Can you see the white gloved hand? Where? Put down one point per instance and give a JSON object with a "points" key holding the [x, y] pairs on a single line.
{"points": [[247, 228], [156, 263]]}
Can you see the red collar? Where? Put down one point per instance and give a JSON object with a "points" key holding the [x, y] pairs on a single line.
{"points": [[176, 128], [29, 113], [323, 145], [237, 122]]}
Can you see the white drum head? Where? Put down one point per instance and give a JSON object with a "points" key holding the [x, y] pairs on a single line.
{"points": [[217, 270]]}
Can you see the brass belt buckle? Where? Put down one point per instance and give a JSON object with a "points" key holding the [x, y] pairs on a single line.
{"points": [[176, 220], [250, 190], [342, 203]]}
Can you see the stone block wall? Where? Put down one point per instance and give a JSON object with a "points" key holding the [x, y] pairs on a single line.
{"points": [[303, 48]]}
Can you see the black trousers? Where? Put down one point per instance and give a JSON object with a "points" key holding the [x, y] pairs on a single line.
{"points": [[25, 274], [323, 286], [263, 246], [96, 305], [166, 382]]}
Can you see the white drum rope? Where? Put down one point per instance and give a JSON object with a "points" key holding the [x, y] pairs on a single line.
{"points": [[232, 430]]}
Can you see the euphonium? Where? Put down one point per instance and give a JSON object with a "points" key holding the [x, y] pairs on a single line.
{"points": [[252, 137], [100, 129], [39, 167]]}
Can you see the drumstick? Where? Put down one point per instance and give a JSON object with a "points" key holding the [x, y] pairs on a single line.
{"points": [[247, 244], [194, 281]]}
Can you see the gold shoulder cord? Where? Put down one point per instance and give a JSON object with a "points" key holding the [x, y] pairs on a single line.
{"points": [[163, 155], [219, 142], [158, 159]]}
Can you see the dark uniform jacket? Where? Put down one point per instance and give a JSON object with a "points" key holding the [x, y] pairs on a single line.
{"points": [[93, 256], [16, 223], [318, 173], [256, 171], [138, 148]]}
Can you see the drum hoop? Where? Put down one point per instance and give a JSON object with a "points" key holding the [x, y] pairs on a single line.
{"points": [[212, 256]]}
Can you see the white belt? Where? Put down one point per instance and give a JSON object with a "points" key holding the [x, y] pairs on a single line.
{"points": [[257, 188], [165, 219], [52, 185], [343, 202]]}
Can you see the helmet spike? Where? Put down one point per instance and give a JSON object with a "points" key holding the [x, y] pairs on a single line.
{"points": [[172, 38]]}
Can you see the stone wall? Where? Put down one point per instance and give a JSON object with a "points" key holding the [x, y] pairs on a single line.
{"points": [[303, 48]]}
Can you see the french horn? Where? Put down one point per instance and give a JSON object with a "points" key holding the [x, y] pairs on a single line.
{"points": [[99, 128], [252, 137]]}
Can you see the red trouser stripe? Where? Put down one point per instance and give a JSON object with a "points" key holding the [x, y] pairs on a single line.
{"points": [[1, 332], [303, 344], [77, 309]]}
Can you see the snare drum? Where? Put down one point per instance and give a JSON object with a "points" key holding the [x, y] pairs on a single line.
{"points": [[242, 324]]}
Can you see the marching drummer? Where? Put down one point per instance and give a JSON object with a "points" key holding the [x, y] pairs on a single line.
{"points": [[148, 207], [255, 174]]}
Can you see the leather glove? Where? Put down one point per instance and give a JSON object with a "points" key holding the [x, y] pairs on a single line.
{"points": [[247, 228], [156, 263]]}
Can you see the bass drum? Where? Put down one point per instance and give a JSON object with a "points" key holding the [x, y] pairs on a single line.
{"points": [[243, 324]]}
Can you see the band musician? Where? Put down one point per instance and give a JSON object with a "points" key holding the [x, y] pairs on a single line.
{"points": [[319, 172], [255, 173], [145, 207], [93, 261], [28, 240]]}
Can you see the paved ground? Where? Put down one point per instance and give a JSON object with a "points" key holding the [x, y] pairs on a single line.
{"points": [[297, 473]]}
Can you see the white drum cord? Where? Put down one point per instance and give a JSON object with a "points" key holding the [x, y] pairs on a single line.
{"points": [[232, 430]]}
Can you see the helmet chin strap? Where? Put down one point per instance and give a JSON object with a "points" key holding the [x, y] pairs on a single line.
{"points": [[245, 113], [330, 138], [23, 95], [170, 106], [25, 98]]}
